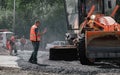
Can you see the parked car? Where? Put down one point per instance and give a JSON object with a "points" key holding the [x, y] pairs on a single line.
{"points": [[55, 43]]}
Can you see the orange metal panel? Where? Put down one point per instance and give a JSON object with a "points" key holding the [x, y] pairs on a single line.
{"points": [[91, 35]]}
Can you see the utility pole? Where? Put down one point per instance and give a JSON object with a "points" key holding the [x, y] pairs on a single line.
{"points": [[13, 27]]}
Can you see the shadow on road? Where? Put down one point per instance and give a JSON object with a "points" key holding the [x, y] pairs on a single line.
{"points": [[42, 64], [107, 65]]}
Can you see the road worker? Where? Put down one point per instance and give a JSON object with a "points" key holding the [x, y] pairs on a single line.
{"points": [[35, 38], [13, 45]]}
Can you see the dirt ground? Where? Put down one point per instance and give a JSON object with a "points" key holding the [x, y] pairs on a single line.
{"points": [[49, 67], [21, 72]]}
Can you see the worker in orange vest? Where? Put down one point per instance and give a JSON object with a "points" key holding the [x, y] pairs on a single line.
{"points": [[8, 44], [35, 38]]}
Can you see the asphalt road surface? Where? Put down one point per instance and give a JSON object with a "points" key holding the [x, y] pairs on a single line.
{"points": [[19, 65]]}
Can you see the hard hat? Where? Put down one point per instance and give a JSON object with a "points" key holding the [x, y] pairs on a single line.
{"points": [[92, 17]]}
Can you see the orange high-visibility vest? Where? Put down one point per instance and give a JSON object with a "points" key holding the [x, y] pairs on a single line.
{"points": [[33, 36]]}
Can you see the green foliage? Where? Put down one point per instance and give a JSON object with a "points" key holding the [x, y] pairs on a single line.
{"points": [[49, 12]]}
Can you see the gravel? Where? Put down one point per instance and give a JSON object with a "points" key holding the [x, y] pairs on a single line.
{"points": [[48, 67], [66, 67]]}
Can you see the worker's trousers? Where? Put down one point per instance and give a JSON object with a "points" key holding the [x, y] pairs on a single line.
{"points": [[33, 57], [13, 48]]}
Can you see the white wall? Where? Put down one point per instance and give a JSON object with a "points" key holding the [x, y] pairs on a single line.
{"points": [[107, 9]]}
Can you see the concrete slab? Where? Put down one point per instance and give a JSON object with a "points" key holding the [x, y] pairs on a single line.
{"points": [[13, 61], [9, 61]]}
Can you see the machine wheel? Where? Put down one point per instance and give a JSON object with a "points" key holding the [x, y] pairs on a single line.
{"points": [[82, 55], [67, 54]]}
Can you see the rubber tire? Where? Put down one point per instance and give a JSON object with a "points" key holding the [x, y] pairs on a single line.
{"points": [[66, 54], [82, 54]]}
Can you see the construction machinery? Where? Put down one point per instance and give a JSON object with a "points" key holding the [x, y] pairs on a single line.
{"points": [[97, 34]]}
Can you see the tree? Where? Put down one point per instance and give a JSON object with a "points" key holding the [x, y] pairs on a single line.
{"points": [[49, 12]]}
